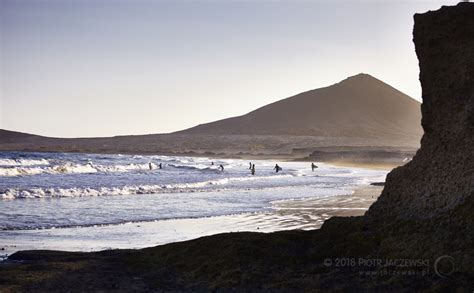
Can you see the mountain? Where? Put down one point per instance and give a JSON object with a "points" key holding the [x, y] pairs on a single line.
{"points": [[359, 106], [358, 114]]}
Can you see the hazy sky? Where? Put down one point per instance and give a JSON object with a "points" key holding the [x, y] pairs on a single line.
{"points": [[107, 67]]}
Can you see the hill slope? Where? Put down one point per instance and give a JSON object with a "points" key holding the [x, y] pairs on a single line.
{"points": [[7, 136], [359, 106]]}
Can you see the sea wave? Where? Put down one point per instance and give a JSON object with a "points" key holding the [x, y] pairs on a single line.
{"points": [[23, 162], [33, 167], [199, 167], [13, 193], [71, 168]]}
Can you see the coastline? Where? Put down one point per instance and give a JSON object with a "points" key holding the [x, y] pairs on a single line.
{"points": [[301, 214], [129, 269]]}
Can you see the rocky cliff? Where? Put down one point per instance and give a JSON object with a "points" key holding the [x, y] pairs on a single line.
{"points": [[441, 175], [427, 207]]}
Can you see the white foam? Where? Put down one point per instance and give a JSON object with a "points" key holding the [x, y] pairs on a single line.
{"points": [[18, 171], [69, 168], [23, 162]]}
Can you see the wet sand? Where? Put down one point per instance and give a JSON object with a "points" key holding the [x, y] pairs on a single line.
{"points": [[367, 165]]}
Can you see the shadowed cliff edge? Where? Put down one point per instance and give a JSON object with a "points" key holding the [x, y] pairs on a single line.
{"points": [[420, 228]]}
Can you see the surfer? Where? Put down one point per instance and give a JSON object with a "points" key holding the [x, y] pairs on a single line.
{"points": [[150, 166], [221, 167], [252, 170], [250, 165], [277, 168], [160, 166], [313, 166], [212, 163]]}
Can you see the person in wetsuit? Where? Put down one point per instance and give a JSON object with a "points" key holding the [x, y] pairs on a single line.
{"points": [[252, 170], [277, 168], [313, 166], [221, 167]]}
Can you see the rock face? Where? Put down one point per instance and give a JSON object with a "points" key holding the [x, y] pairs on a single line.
{"points": [[435, 191], [441, 175]]}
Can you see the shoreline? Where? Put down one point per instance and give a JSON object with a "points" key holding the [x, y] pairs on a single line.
{"points": [[300, 214], [366, 165]]}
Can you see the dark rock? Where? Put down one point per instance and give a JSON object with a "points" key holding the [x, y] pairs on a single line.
{"points": [[441, 175], [435, 191], [377, 183]]}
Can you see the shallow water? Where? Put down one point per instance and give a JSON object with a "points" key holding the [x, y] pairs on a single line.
{"points": [[45, 190]]}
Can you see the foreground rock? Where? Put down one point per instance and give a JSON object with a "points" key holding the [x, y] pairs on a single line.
{"points": [[418, 235], [435, 191]]}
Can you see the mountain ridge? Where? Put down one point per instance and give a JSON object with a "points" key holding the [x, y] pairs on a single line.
{"points": [[364, 94]]}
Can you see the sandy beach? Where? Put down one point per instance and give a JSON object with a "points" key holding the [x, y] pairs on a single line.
{"points": [[302, 214]]}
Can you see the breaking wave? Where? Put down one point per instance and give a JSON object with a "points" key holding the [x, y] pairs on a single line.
{"points": [[12, 193], [23, 162], [69, 168]]}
